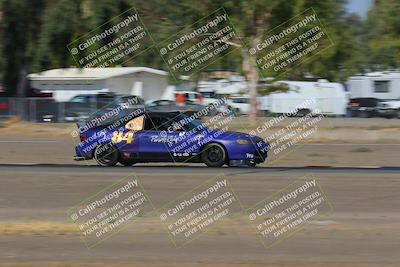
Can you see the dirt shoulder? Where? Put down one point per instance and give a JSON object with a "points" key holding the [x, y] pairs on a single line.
{"points": [[329, 130], [338, 142]]}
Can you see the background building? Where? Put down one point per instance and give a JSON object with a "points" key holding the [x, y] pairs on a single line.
{"points": [[66, 83]]}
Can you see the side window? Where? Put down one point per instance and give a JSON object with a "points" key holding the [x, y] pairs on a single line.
{"points": [[165, 124], [159, 124], [177, 127], [381, 86], [135, 124], [149, 123], [78, 99], [154, 123], [369, 102]]}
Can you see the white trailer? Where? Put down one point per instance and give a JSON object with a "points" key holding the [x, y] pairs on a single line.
{"points": [[221, 87], [381, 85], [320, 97]]}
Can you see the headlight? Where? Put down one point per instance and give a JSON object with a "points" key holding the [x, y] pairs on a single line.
{"points": [[243, 142]]}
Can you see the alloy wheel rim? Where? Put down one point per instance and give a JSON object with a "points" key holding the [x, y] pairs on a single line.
{"points": [[105, 155], [214, 154]]}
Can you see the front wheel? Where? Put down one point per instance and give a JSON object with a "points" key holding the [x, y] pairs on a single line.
{"points": [[214, 155], [106, 155]]}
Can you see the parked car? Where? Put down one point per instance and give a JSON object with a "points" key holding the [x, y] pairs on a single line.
{"points": [[83, 106], [364, 107], [389, 109], [189, 108], [4, 107], [240, 104]]}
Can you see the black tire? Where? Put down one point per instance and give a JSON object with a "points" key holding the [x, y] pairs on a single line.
{"points": [[364, 114], [398, 114], [106, 155], [236, 111], [126, 162], [303, 112], [214, 155], [267, 113]]}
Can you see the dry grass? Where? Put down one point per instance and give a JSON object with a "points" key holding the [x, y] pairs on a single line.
{"points": [[341, 131], [361, 150], [37, 228], [18, 127]]}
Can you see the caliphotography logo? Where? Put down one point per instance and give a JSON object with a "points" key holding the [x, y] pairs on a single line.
{"points": [[199, 133], [111, 210]]}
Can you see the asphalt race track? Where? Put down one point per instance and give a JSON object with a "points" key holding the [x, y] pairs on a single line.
{"points": [[362, 230]]}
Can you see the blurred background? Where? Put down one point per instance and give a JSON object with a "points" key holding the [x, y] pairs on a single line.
{"points": [[41, 82], [354, 154]]}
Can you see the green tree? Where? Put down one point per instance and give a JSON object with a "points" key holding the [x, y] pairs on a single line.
{"points": [[341, 58], [383, 34], [20, 27], [35, 34], [61, 20]]}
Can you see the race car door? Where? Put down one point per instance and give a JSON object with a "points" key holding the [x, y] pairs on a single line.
{"points": [[154, 138], [126, 138]]}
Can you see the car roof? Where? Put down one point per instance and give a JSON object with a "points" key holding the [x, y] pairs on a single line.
{"points": [[95, 95], [164, 114], [127, 114], [364, 98]]}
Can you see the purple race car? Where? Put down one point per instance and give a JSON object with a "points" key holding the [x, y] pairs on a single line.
{"points": [[166, 137]]}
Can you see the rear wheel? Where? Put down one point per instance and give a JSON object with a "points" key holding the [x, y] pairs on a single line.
{"points": [[106, 155], [214, 155]]}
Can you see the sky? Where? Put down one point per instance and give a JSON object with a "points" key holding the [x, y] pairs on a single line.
{"points": [[359, 6]]}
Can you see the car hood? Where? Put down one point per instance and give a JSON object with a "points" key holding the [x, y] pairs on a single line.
{"points": [[391, 103]]}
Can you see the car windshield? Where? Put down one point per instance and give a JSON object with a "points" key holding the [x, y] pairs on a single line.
{"points": [[78, 99], [189, 124], [241, 100]]}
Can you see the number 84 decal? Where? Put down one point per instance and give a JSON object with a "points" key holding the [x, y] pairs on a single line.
{"points": [[118, 137]]}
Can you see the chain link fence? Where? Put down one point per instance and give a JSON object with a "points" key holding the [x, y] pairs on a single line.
{"points": [[45, 109], [32, 109]]}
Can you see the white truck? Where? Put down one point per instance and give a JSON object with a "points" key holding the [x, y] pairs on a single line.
{"points": [[321, 97], [381, 85], [389, 109]]}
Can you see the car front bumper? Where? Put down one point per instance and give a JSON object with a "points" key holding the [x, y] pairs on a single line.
{"points": [[254, 153], [387, 112]]}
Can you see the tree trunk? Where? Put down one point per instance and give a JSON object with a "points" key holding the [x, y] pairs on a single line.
{"points": [[251, 74], [21, 93]]}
